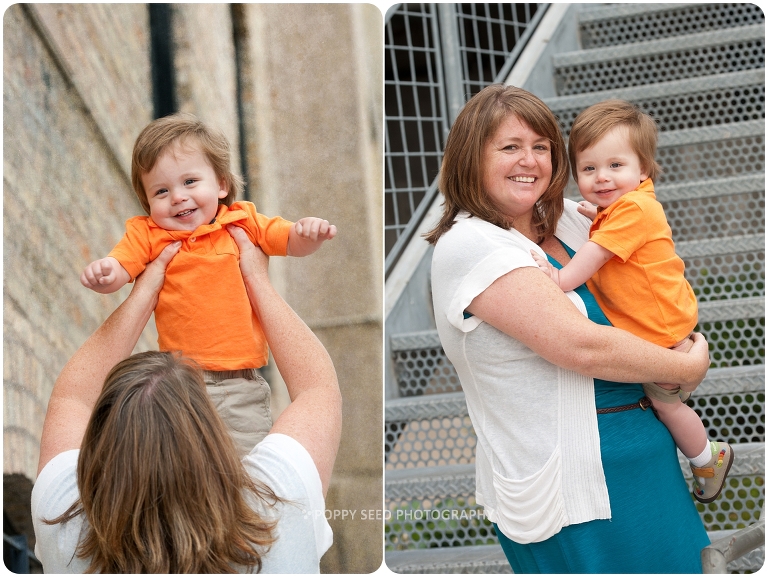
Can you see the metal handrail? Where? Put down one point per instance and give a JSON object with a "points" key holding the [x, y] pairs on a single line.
{"points": [[716, 556]]}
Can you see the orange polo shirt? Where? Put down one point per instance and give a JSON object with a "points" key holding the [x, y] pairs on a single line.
{"points": [[203, 308], [642, 289]]}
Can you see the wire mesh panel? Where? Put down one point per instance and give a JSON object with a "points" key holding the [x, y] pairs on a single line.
{"points": [[417, 98], [608, 29], [415, 112], [487, 35]]}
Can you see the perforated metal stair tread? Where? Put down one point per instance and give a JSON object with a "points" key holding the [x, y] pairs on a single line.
{"points": [[618, 24], [425, 482], [658, 90], [662, 46], [717, 381], [491, 559], [472, 559]]}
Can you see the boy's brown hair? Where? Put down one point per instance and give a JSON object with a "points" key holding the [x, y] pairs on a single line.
{"points": [[594, 122], [184, 129]]}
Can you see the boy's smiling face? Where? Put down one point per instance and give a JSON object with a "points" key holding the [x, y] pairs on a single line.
{"points": [[182, 189], [609, 169]]}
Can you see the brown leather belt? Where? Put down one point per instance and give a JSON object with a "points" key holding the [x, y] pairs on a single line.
{"points": [[643, 403]]}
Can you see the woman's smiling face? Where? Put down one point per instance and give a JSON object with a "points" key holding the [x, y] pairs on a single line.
{"points": [[517, 167]]}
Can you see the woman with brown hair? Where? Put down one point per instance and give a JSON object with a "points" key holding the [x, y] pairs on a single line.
{"points": [[137, 472], [569, 466]]}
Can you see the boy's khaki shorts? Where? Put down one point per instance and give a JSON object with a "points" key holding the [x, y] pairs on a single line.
{"points": [[242, 400], [654, 391]]}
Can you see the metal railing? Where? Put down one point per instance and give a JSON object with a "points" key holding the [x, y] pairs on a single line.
{"points": [[437, 56]]}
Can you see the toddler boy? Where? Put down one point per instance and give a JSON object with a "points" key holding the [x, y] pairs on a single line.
{"points": [[630, 265], [181, 174]]}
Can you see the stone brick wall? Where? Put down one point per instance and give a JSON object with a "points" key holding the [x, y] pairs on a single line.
{"points": [[77, 91], [66, 193]]}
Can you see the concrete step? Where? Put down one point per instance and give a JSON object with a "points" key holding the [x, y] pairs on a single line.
{"points": [[643, 63], [680, 104], [623, 23]]}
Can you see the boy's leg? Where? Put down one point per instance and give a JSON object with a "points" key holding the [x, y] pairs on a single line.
{"points": [[684, 425], [243, 404]]}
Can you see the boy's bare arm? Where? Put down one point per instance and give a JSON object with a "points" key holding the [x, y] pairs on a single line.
{"points": [[586, 262], [308, 234], [105, 275]]}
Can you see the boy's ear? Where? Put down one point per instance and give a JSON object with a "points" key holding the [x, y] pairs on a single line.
{"points": [[223, 192]]}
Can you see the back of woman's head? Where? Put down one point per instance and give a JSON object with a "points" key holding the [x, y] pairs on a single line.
{"points": [[461, 173], [161, 484]]}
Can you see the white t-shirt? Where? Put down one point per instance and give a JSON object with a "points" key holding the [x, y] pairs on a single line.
{"points": [[282, 463], [538, 449]]}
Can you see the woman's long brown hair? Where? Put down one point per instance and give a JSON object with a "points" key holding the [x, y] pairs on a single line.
{"points": [[461, 174], [161, 485]]}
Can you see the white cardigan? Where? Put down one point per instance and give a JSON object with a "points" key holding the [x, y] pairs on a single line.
{"points": [[538, 453]]}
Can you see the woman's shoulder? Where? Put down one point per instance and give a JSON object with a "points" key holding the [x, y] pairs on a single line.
{"points": [[471, 235]]}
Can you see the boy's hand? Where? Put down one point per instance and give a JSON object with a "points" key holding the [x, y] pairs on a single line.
{"points": [[308, 234], [545, 267], [105, 275], [587, 209]]}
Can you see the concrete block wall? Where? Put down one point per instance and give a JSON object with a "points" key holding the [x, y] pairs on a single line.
{"points": [[313, 74], [77, 90]]}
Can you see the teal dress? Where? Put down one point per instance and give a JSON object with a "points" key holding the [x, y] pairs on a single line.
{"points": [[654, 525]]}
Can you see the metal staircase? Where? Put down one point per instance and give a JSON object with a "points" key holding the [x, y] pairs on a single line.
{"points": [[699, 70]]}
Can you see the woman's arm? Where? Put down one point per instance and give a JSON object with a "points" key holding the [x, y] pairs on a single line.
{"points": [[314, 416], [527, 306], [82, 378]]}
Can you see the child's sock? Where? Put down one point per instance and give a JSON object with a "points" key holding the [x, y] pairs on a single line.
{"points": [[703, 458]]}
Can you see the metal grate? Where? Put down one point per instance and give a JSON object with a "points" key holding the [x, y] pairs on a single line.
{"points": [[430, 443], [453, 520], [415, 112], [716, 217], [645, 26], [436, 57], [717, 159], [424, 372], [732, 417], [735, 343], [643, 69], [693, 109], [487, 35], [729, 276]]}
